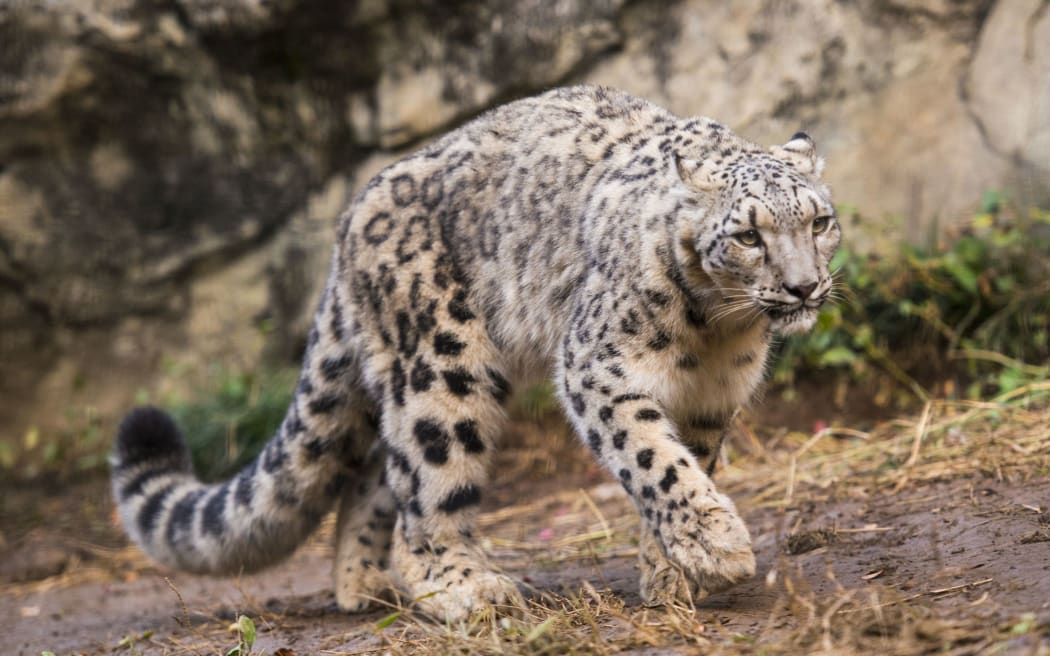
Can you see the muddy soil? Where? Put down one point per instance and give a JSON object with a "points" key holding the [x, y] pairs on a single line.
{"points": [[966, 553]]}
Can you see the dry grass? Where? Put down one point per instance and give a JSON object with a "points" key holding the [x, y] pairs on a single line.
{"points": [[1006, 440], [1006, 436]]}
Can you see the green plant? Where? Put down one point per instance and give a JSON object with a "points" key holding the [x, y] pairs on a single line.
{"points": [[977, 306], [80, 447], [245, 628], [535, 401], [129, 641], [226, 426]]}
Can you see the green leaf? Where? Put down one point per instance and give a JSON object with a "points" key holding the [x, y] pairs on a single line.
{"points": [[983, 220], [828, 318], [1010, 379], [971, 250], [247, 628], [864, 337], [427, 595], [541, 628], [836, 356], [1026, 624], [820, 341], [990, 201], [235, 651], [387, 621], [962, 274]]}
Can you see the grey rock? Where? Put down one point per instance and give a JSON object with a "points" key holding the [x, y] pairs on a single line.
{"points": [[1008, 88]]}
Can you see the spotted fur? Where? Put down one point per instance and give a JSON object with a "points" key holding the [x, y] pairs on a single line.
{"points": [[641, 260]]}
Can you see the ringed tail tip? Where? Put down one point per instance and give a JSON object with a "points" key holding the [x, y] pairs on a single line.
{"points": [[148, 434]]}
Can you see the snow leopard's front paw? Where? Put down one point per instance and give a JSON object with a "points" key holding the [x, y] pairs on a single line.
{"points": [[662, 582], [453, 582], [708, 549]]}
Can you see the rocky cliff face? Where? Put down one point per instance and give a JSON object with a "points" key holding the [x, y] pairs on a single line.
{"points": [[170, 172]]}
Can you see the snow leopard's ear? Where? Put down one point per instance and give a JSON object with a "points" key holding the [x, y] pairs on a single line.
{"points": [[698, 175], [801, 152]]}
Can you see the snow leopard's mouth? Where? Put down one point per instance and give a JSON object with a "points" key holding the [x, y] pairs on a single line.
{"points": [[791, 319], [784, 310], [781, 311], [788, 310]]}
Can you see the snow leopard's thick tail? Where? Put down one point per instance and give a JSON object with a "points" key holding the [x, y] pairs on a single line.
{"points": [[260, 515]]}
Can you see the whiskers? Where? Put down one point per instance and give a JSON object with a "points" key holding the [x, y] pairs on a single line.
{"points": [[751, 317], [839, 292], [732, 294], [742, 303]]}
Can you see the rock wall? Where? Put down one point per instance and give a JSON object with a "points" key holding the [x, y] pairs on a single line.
{"points": [[170, 172]]}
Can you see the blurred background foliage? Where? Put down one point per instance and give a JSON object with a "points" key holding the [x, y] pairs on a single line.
{"points": [[973, 309]]}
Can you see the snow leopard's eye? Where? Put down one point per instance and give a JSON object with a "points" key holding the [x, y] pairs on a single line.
{"points": [[748, 238], [821, 224]]}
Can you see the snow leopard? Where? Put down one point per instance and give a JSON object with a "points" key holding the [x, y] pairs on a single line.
{"points": [[641, 261]]}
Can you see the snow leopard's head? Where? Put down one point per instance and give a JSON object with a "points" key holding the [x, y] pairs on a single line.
{"points": [[765, 231]]}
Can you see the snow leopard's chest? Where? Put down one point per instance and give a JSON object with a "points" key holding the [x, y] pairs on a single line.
{"points": [[705, 372]]}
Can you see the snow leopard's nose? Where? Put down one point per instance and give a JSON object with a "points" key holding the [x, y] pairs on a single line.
{"points": [[803, 290]]}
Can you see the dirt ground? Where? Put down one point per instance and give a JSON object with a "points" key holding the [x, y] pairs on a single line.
{"points": [[926, 534]]}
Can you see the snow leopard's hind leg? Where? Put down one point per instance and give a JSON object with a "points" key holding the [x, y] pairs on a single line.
{"points": [[441, 416], [364, 531]]}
